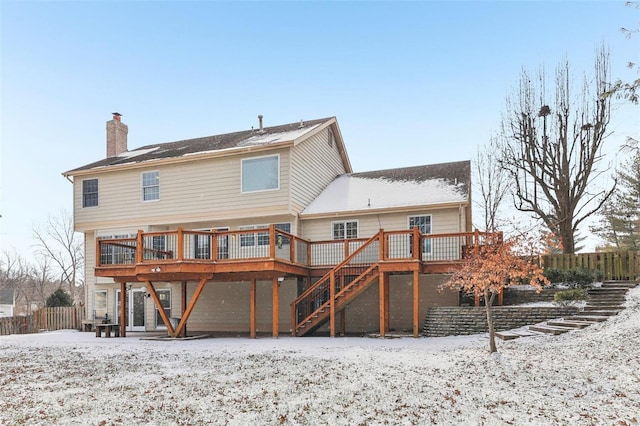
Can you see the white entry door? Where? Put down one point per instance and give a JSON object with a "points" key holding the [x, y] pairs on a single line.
{"points": [[136, 303]]}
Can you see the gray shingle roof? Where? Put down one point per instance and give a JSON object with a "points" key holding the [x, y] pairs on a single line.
{"points": [[206, 144]]}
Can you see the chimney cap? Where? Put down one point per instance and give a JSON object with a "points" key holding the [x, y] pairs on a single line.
{"points": [[117, 114]]}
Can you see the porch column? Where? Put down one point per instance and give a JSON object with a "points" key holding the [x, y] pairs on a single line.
{"points": [[275, 302], [416, 303], [383, 306], [123, 307], [252, 304]]}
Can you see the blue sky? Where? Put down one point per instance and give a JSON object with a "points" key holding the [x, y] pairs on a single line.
{"points": [[410, 82]]}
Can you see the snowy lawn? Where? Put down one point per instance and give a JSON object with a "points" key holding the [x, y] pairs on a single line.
{"points": [[585, 377]]}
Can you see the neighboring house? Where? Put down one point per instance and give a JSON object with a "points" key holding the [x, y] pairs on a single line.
{"points": [[248, 231], [7, 302]]}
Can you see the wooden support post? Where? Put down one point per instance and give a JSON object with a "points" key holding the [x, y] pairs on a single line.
{"points": [[416, 303], [98, 249], [123, 307], [214, 245], [252, 307], [192, 304], [332, 304], [386, 302], [275, 302], [180, 243], [381, 244], [417, 252], [272, 241], [381, 291], [163, 314], [139, 247], [183, 333]]}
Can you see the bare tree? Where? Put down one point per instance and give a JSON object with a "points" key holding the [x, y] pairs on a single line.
{"points": [[492, 183], [58, 241], [553, 144]]}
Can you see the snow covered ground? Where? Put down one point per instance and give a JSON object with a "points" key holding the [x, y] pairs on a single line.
{"points": [[585, 377]]}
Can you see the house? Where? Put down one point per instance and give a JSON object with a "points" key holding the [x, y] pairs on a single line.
{"points": [[7, 302], [266, 230]]}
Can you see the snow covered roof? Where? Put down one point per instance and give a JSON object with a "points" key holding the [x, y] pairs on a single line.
{"points": [[210, 144], [395, 188]]}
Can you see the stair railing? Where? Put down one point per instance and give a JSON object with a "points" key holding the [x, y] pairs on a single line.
{"points": [[317, 298]]}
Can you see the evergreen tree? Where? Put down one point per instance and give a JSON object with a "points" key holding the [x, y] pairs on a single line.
{"points": [[59, 298], [619, 226]]}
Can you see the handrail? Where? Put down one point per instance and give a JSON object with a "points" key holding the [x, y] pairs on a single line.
{"points": [[338, 267], [320, 286], [179, 247]]}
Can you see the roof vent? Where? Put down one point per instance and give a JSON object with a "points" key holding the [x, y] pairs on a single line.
{"points": [[301, 124], [260, 130]]}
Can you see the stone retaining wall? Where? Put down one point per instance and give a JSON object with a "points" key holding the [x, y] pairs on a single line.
{"points": [[513, 296], [451, 321]]}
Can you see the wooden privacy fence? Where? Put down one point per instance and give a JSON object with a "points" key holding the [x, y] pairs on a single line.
{"points": [[615, 265], [45, 319]]}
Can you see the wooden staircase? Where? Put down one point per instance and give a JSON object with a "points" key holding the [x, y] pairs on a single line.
{"points": [[336, 289]]}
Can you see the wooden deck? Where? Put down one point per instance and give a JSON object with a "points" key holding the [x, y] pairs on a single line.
{"points": [[270, 254]]}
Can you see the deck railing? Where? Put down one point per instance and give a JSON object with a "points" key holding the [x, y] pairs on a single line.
{"points": [[272, 243]]}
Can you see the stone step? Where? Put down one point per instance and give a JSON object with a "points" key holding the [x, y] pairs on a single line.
{"points": [[603, 307], [548, 329], [569, 324], [588, 318], [507, 335], [601, 312]]}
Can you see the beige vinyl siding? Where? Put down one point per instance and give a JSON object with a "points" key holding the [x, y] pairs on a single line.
{"points": [[189, 192], [314, 164], [443, 221]]}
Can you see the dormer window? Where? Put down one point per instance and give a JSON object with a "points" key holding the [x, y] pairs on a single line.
{"points": [[261, 173]]}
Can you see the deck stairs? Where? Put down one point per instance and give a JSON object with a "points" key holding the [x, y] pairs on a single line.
{"points": [[604, 302], [340, 286]]}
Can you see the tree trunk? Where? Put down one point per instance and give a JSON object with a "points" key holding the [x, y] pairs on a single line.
{"points": [[488, 302]]}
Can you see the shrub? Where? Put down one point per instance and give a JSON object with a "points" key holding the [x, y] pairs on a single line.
{"points": [[573, 278], [554, 275], [59, 298], [565, 297]]}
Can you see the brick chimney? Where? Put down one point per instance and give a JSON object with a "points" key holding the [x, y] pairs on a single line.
{"points": [[116, 136]]}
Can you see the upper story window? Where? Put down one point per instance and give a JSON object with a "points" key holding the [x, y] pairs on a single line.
{"points": [[90, 193], [345, 230], [261, 173], [424, 226], [150, 186]]}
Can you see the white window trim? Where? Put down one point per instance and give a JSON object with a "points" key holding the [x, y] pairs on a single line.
{"points": [[430, 216], [142, 186], [242, 191], [106, 301], [345, 228]]}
